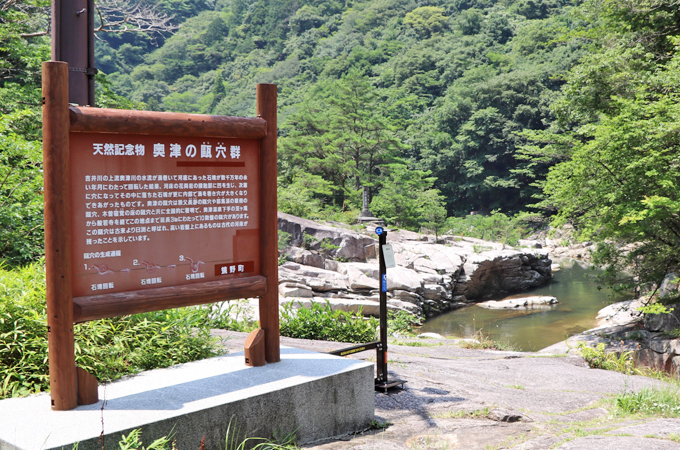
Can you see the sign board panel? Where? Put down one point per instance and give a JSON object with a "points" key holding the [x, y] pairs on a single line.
{"points": [[388, 256], [160, 211]]}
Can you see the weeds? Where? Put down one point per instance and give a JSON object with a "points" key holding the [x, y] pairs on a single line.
{"points": [[463, 414], [401, 322], [598, 358], [656, 401], [481, 341], [133, 441], [235, 317]]}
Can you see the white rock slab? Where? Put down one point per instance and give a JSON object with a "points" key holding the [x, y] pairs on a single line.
{"points": [[524, 302]]}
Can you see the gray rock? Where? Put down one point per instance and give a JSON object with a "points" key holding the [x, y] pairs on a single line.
{"points": [[361, 276], [522, 302], [504, 415], [306, 257], [430, 336], [406, 296], [505, 271], [352, 246], [670, 286], [432, 291], [664, 321], [288, 289], [620, 313], [404, 279]]}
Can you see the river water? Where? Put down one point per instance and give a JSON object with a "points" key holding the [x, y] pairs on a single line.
{"points": [[579, 301]]}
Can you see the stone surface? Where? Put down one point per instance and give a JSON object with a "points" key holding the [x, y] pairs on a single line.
{"points": [[620, 313], [312, 394], [504, 415], [521, 302], [449, 389], [351, 245], [289, 289]]}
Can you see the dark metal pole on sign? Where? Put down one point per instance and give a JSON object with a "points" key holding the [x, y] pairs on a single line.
{"points": [[382, 350], [73, 43], [382, 381]]}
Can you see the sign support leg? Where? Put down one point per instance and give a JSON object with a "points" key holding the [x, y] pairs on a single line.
{"points": [[56, 125], [269, 250]]}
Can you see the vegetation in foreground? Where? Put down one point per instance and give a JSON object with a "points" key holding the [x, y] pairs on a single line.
{"points": [[107, 348]]}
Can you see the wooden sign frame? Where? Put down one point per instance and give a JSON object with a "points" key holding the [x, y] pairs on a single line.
{"points": [[70, 387]]}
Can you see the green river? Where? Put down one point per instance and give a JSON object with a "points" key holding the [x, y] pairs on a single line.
{"points": [[531, 330]]}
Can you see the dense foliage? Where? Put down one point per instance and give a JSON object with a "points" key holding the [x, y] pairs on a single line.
{"points": [[442, 89], [321, 322], [24, 45], [616, 134]]}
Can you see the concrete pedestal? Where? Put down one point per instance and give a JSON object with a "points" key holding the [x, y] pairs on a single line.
{"points": [[312, 394]]}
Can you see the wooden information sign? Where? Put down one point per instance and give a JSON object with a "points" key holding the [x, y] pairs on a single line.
{"points": [[147, 211]]}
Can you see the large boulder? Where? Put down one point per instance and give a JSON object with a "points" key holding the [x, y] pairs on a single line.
{"points": [[305, 257], [319, 280], [500, 272], [350, 245], [401, 278], [361, 276]]}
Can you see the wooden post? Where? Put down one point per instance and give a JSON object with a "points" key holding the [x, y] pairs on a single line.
{"points": [[269, 303], [58, 236]]}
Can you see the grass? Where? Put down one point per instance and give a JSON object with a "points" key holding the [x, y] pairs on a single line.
{"points": [[463, 414], [515, 386], [234, 316], [416, 343], [662, 401], [481, 341], [234, 440]]}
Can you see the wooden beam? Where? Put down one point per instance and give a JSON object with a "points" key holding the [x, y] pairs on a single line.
{"points": [[269, 303], [121, 121], [56, 183], [133, 302]]}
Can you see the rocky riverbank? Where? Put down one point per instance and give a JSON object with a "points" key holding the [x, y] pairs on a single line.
{"points": [[339, 265], [650, 338]]}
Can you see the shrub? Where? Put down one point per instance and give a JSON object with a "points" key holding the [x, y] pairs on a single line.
{"points": [[322, 323], [598, 358], [107, 348]]}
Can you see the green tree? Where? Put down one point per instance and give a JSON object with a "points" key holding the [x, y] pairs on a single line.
{"points": [[617, 131], [407, 199], [340, 135], [426, 20], [218, 91]]}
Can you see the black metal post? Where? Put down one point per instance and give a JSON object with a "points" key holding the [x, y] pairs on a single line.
{"points": [[382, 348]]}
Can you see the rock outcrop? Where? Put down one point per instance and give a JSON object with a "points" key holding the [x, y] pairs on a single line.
{"points": [[339, 265]]}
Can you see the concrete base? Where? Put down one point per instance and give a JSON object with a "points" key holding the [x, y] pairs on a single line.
{"points": [[314, 395]]}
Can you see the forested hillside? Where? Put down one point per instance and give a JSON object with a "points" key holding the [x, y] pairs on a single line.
{"points": [[399, 95], [440, 108]]}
